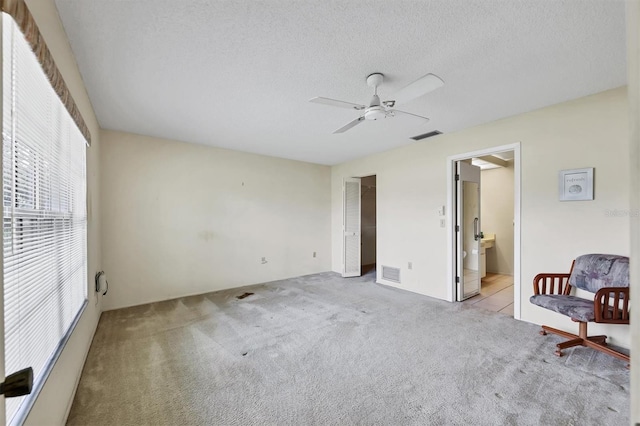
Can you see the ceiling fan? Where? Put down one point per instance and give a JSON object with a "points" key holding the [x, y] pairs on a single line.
{"points": [[376, 109]]}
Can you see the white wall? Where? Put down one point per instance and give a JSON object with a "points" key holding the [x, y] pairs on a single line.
{"points": [[412, 182], [54, 401], [497, 217], [182, 219]]}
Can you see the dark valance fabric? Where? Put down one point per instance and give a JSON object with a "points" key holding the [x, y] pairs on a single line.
{"points": [[21, 15]]}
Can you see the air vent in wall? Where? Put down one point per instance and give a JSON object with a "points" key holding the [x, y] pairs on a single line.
{"points": [[427, 135], [391, 274]]}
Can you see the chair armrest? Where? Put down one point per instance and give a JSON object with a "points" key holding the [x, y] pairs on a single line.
{"points": [[611, 305], [551, 284]]}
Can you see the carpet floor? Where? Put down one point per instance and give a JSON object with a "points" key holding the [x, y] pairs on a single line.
{"points": [[324, 350]]}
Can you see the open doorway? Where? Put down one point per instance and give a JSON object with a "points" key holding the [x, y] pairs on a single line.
{"points": [[368, 224], [497, 242], [359, 227], [484, 234]]}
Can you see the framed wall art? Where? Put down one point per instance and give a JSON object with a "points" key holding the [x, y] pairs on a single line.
{"points": [[576, 184]]}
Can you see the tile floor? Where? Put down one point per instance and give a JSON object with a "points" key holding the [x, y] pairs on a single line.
{"points": [[496, 294]]}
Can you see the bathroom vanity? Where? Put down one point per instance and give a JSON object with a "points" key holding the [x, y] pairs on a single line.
{"points": [[487, 242]]}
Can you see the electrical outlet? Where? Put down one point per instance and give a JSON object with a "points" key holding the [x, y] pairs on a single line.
{"points": [[264, 260], [314, 254], [410, 265], [443, 223]]}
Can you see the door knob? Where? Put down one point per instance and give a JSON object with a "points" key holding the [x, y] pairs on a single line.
{"points": [[17, 384]]}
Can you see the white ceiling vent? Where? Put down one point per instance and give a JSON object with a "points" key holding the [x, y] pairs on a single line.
{"points": [[391, 274]]}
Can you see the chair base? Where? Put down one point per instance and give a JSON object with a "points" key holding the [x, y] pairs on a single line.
{"points": [[594, 342]]}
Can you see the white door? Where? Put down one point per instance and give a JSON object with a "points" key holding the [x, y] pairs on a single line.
{"points": [[467, 230], [351, 228]]}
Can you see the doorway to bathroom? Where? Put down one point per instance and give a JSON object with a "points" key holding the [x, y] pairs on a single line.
{"points": [[484, 229]]}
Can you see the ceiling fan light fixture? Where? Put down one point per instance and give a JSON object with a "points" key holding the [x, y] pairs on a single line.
{"points": [[375, 113]]}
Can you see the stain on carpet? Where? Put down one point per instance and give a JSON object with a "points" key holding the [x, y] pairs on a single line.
{"points": [[243, 295]]}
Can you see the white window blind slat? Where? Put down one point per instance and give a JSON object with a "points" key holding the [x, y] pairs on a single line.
{"points": [[44, 215]]}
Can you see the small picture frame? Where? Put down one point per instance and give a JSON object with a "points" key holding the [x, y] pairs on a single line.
{"points": [[576, 184]]}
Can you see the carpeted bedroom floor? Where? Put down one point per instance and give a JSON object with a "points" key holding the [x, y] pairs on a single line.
{"points": [[325, 350]]}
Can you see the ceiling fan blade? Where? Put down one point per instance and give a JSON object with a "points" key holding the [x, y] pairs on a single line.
{"points": [[421, 86], [394, 111], [334, 102], [350, 125]]}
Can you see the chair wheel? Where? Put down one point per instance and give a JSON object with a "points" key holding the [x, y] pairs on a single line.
{"points": [[558, 353], [542, 333]]}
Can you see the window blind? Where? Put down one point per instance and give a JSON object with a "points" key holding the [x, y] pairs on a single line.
{"points": [[44, 216]]}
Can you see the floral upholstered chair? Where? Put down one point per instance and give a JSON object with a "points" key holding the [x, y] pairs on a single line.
{"points": [[605, 275]]}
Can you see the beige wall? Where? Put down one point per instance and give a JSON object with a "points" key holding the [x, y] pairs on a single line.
{"points": [[54, 401], [497, 217], [412, 185], [182, 219]]}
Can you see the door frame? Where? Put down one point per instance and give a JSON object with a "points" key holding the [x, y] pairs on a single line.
{"points": [[343, 212], [451, 216]]}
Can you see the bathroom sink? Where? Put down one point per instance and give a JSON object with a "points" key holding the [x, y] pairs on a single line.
{"points": [[488, 241]]}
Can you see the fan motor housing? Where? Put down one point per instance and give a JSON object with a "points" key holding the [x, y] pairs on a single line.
{"points": [[375, 113]]}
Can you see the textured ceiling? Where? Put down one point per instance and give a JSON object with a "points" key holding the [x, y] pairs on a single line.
{"points": [[238, 74]]}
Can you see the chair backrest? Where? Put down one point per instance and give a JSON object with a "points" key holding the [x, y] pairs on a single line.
{"points": [[592, 272]]}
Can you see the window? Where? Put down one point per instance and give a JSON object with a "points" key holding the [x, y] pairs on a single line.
{"points": [[44, 217]]}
